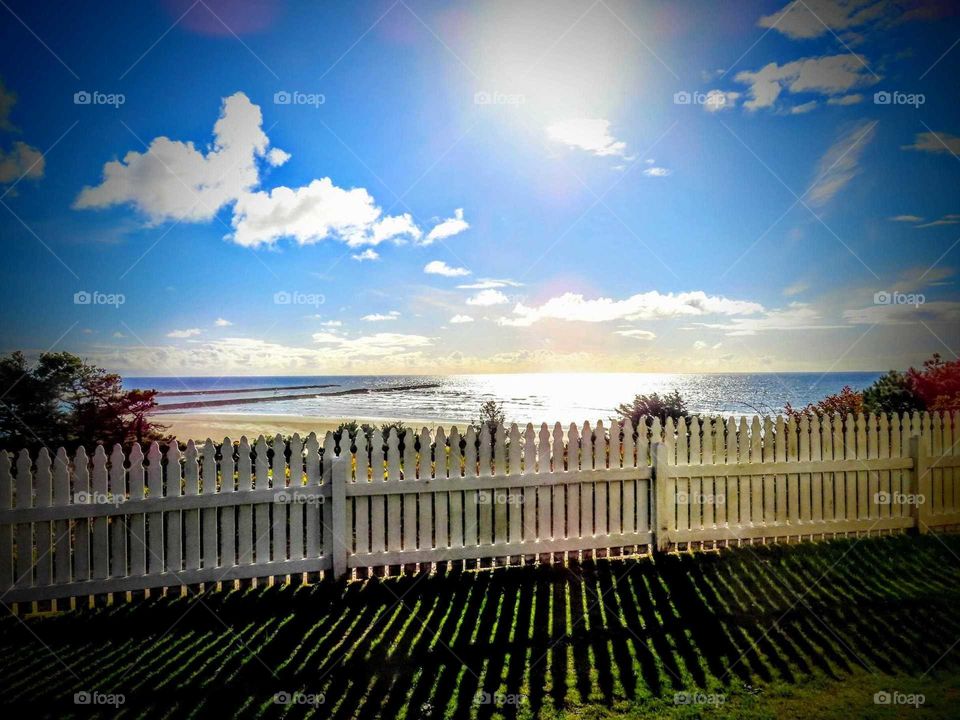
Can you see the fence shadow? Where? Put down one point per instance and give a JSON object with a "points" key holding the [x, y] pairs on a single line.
{"points": [[460, 643]]}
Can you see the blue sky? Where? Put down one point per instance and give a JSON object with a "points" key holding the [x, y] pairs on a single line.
{"points": [[480, 187]]}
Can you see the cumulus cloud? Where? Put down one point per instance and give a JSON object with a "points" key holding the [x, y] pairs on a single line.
{"points": [[841, 163], [935, 142], [221, 322], [175, 180], [189, 332], [460, 319], [486, 298], [313, 213], [828, 75], [368, 254], [447, 228], [813, 18], [718, 100], [438, 267], [656, 172], [851, 99], [642, 306], [590, 134], [21, 161]]}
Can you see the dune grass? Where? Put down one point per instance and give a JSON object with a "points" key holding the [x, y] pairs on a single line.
{"points": [[800, 631]]}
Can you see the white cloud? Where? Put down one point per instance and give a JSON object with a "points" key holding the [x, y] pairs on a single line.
{"points": [[489, 284], [175, 180], [813, 18], [906, 218], [796, 288], [220, 322], [486, 298], [190, 332], [636, 334], [438, 267], [841, 163], [332, 324], [459, 319], [314, 212], [828, 75], [21, 161], [930, 313], [277, 157], [447, 228], [376, 345], [642, 306], [590, 134], [851, 99], [796, 316], [381, 317], [656, 172], [945, 220], [935, 142], [803, 108], [119, 334], [718, 100], [368, 254]]}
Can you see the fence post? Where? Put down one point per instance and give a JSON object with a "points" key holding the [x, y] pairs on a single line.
{"points": [[338, 545], [922, 486], [661, 476]]}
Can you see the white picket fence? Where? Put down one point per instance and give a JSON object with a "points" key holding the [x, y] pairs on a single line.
{"points": [[117, 523]]}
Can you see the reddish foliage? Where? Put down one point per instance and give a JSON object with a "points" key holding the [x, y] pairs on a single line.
{"points": [[846, 401], [937, 384]]}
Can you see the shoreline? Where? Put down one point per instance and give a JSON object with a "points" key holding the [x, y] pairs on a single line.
{"points": [[216, 426]]}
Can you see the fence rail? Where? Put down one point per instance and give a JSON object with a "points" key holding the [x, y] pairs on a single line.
{"points": [[121, 522]]}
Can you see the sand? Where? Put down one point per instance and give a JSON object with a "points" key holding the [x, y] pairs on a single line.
{"points": [[200, 426]]}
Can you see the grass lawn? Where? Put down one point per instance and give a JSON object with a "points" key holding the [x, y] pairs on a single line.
{"points": [[805, 631]]}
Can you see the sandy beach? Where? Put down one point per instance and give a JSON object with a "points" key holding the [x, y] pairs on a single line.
{"points": [[200, 426]]}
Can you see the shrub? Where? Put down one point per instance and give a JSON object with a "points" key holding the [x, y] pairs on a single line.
{"points": [[668, 405], [892, 393], [846, 401]]}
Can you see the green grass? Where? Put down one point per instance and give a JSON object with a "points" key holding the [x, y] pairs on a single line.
{"points": [[804, 631]]}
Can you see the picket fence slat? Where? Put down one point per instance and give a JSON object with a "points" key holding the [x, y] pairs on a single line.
{"points": [[128, 521]]}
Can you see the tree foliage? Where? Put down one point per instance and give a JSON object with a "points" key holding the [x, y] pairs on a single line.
{"points": [[668, 405], [63, 401]]}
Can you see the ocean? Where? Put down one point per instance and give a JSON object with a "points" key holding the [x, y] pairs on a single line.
{"points": [[527, 397]]}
